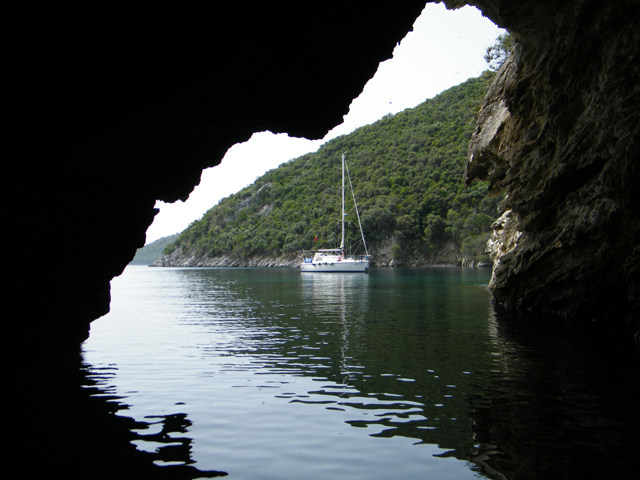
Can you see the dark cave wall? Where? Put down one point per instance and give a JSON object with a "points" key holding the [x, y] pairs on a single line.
{"points": [[559, 133], [113, 109]]}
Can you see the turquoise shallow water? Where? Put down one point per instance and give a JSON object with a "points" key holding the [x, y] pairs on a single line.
{"points": [[400, 373]]}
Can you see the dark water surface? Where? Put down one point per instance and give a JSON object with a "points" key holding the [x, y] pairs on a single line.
{"points": [[401, 373]]}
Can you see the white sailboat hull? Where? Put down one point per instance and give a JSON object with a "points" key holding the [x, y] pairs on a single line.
{"points": [[346, 265]]}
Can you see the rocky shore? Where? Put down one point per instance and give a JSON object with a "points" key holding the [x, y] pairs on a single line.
{"points": [[382, 257]]}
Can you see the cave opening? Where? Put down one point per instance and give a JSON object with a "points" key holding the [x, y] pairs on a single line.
{"points": [[99, 136], [444, 48], [150, 436]]}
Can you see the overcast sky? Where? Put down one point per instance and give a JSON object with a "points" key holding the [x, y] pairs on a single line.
{"points": [[445, 49]]}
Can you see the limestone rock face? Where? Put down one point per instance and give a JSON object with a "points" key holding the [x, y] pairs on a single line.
{"points": [[503, 240], [558, 132]]}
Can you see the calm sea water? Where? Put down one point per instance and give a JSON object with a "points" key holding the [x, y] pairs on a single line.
{"points": [[400, 373]]}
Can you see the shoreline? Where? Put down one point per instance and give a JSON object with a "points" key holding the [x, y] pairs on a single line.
{"points": [[226, 262]]}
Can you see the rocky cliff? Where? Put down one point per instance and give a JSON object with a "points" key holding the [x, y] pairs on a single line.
{"points": [[558, 132]]}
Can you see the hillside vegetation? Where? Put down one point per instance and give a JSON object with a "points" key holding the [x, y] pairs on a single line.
{"points": [[152, 251], [407, 172]]}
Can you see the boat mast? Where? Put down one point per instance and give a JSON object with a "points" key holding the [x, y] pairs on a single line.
{"points": [[342, 242]]}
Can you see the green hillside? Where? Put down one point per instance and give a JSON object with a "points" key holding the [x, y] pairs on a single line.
{"points": [[151, 252], [407, 172]]}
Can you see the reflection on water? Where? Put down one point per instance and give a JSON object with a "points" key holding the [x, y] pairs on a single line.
{"points": [[400, 373], [563, 402], [160, 440]]}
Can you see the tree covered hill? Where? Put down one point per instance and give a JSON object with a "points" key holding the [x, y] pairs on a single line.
{"points": [[152, 251], [407, 172]]}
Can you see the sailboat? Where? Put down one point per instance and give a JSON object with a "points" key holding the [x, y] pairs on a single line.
{"points": [[335, 259]]}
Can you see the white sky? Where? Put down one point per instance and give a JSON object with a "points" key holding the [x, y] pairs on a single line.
{"points": [[445, 48]]}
